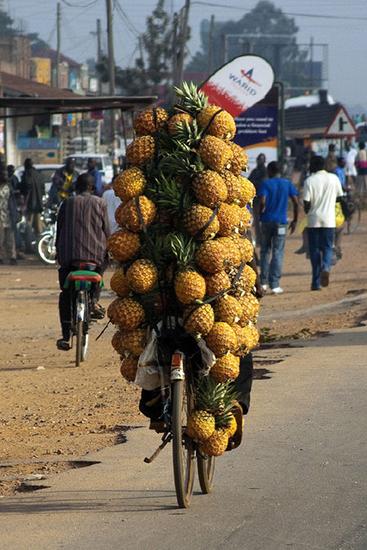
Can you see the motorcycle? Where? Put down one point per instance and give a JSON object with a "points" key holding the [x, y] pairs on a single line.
{"points": [[46, 245]]}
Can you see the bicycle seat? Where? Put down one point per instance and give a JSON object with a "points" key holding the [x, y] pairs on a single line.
{"points": [[83, 278]]}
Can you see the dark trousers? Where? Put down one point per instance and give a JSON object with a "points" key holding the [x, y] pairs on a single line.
{"points": [[321, 242], [243, 382], [66, 299]]}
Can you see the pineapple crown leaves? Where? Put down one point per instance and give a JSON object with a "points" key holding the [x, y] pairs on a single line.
{"points": [[190, 98], [214, 397], [180, 163], [188, 135], [183, 249], [169, 194]]}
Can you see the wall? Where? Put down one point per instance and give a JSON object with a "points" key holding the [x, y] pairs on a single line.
{"points": [[41, 70]]}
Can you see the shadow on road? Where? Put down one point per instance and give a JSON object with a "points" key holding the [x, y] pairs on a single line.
{"points": [[347, 338], [94, 501]]}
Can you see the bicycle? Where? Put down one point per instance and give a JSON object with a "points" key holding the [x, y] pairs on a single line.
{"points": [[353, 211], [82, 282], [178, 368]]}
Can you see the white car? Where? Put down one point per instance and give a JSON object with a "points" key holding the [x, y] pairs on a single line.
{"points": [[46, 170], [103, 164]]}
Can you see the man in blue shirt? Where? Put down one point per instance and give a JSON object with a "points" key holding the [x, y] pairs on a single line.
{"points": [[97, 176], [274, 194]]}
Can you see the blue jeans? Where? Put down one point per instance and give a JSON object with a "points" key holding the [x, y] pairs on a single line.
{"points": [[321, 241], [272, 244]]}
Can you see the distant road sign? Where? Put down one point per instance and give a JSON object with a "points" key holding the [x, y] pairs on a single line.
{"points": [[341, 126]]}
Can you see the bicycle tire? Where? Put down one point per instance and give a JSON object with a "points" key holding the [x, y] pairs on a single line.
{"points": [[206, 467], [85, 321], [182, 447], [50, 258], [79, 342]]}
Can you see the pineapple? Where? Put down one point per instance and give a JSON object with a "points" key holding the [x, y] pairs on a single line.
{"points": [[127, 313], [215, 153], [229, 218], [135, 213], [246, 282], [227, 309], [245, 247], [211, 256], [196, 222], [217, 283], [123, 245], [119, 283], [217, 122], [191, 99], [200, 425], [129, 184], [239, 162], [128, 368], [209, 188], [231, 426], [176, 121], [142, 276], [250, 309], [140, 151], [247, 338], [129, 342], [245, 219], [225, 368], [233, 253], [216, 444], [150, 121], [221, 339], [189, 285], [199, 321], [249, 189]]}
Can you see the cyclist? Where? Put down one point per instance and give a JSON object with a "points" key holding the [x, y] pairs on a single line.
{"points": [[63, 182], [82, 232]]}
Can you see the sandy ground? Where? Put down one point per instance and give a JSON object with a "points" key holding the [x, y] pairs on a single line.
{"points": [[52, 413]]}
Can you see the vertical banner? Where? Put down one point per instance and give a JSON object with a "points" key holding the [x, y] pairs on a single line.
{"points": [[244, 88]]}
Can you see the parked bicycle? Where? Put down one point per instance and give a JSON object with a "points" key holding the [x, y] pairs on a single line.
{"points": [[82, 283]]}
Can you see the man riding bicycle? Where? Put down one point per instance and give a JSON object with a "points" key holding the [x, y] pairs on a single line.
{"points": [[82, 232]]}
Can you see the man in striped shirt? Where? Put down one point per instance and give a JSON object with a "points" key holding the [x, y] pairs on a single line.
{"points": [[82, 232]]}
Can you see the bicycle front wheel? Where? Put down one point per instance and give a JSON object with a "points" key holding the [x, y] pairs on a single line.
{"points": [[183, 446], [46, 249], [206, 466], [79, 343], [81, 328]]}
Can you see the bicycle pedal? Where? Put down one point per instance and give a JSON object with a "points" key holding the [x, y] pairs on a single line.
{"points": [[158, 425]]}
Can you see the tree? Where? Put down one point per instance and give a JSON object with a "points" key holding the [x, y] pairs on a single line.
{"points": [[6, 24], [153, 67], [276, 41]]}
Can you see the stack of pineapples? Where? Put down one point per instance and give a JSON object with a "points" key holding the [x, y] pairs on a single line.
{"points": [[182, 249]]}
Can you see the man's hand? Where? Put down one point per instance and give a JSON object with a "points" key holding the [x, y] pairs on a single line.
{"points": [[292, 226], [259, 293]]}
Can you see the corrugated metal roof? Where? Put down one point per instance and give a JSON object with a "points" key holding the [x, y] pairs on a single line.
{"points": [[313, 118], [16, 85]]}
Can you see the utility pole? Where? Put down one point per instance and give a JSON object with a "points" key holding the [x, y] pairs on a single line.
{"points": [[111, 62], [58, 43], [210, 45], [99, 52], [182, 42]]}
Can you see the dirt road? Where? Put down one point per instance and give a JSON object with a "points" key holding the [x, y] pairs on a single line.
{"points": [[52, 413]]}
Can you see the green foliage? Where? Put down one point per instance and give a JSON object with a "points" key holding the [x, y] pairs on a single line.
{"points": [[6, 24]]}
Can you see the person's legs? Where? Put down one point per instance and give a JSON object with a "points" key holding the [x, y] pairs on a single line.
{"points": [[10, 244], [326, 247], [315, 255], [2, 243], [338, 242], [64, 304], [276, 264], [243, 382], [265, 249]]}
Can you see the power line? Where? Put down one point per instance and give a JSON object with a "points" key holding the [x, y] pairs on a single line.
{"points": [[311, 15], [88, 5]]}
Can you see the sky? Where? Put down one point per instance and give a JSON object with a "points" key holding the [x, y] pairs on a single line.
{"points": [[343, 29]]}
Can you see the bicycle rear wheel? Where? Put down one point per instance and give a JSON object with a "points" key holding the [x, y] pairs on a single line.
{"points": [[354, 220], [206, 468], [183, 446], [79, 342], [81, 325]]}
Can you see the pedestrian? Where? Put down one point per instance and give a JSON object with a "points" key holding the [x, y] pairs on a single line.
{"points": [[33, 190], [96, 175], [361, 164], [274, 194], [331, 161], [321, 192], [257, 176], [82, 232], [63, 182], [112, 202], [339, 215], [350, 165], [7, 221]]}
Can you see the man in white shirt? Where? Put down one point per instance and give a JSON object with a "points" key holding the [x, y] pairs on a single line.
{"points": [[350, 164], [321, 191], [112, 203]]}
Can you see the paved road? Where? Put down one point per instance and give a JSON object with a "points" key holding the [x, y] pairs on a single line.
{"points": [[299, 481]]}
